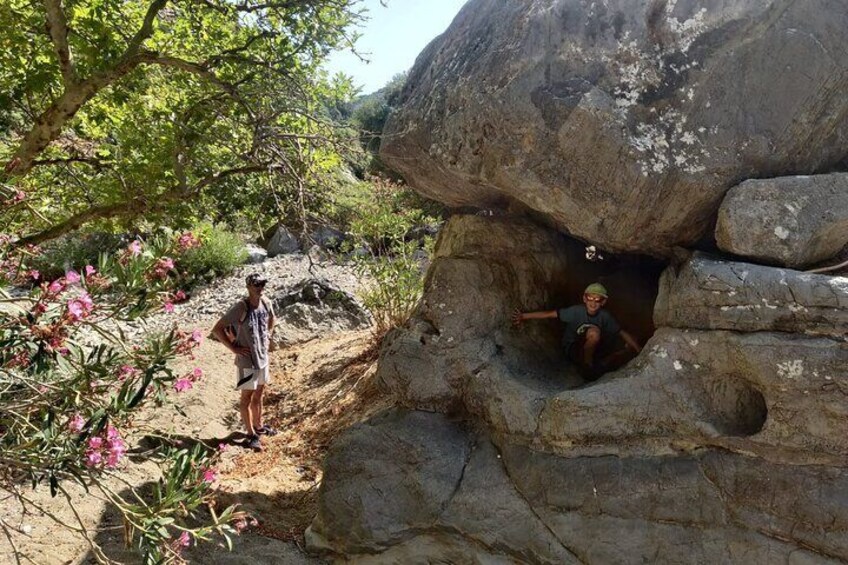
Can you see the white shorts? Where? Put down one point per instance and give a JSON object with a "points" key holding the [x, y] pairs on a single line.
{"points": [[250, 378]]}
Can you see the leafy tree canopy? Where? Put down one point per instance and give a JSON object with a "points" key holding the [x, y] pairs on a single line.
{"points": [[111, 111]]}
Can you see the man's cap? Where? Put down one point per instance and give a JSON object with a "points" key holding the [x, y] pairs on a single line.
{"points": [[596, 288], [255, 279]]}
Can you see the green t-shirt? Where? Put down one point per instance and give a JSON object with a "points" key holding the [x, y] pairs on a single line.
{"points": [[577, 320]]}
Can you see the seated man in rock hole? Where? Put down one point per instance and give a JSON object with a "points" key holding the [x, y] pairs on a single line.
{"points": [[591, 332]]}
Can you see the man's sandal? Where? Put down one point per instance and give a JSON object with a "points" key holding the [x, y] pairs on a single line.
{"points": [[266, 430], [254, 443]]}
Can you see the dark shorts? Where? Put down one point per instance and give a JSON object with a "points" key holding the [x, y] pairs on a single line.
{"points": [[606, 347]]}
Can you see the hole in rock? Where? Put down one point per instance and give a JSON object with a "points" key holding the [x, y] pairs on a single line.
{"points": [[536, 351], [734, 406]]}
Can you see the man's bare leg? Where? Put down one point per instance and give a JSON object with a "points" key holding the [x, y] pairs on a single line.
{"points": [[245, 405], [256, 407]]}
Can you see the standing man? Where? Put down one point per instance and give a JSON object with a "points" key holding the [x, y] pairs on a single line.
{"points": [[590, 333], [246, 330]]}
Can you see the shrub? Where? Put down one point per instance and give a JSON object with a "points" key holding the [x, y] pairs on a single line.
{"points": [[74, 252], [395, 283], [392, 265], [219, 253], [66, 406]]}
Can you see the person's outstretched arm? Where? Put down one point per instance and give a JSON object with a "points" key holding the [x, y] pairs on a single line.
{"points": [[630, 341], [518, 316]]}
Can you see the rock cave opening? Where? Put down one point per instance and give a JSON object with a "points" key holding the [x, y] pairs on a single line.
{"points": [[632, 283]]}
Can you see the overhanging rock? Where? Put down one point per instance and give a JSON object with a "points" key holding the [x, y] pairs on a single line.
{"points": [[623, 122]]}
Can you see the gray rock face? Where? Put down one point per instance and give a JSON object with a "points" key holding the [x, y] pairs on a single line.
{"points": [[255, 254], [394, 474], [724, 441], [788, 221], [712, 294], [623, 122], [314, 308], [282, 242]]}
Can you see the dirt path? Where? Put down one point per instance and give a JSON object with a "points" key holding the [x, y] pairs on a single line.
{"points": [[318, 389]]}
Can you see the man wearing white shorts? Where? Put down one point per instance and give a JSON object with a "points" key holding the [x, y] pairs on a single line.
{"points": [[246, 330]]}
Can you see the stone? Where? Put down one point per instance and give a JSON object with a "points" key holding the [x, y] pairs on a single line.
{"points": [[327, 237], [622, 123], [388, 477], [762, 392], [483, 268], [415, 475], [315, 308], [709, 293], [709, 506], [787, 221], [724, 441], [282, 242], [255, 254]]}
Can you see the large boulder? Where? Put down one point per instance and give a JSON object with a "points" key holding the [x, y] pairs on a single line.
{"points": [[623, 122], [725, 440], [789, 221], [282, 242], [710, 293], [315, 308]]}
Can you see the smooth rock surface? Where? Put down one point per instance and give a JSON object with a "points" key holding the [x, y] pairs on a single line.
{"points": [[788, 221], [393, 474], [623, 122], [282, 242], [709, 293]]}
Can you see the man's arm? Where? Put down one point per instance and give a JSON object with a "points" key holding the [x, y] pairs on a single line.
{"points": [[221, 336], [519, 316], [630, 341]]}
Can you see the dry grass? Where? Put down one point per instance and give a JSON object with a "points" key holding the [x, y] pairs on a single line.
{"points": [[325, 387]]}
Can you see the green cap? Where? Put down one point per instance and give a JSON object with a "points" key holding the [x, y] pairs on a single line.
{"points": [[596, 288]]}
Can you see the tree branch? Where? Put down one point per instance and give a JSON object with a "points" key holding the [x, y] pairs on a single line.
{"points": [[145, 30], [198, 69], [57, 27], [51, 121], [137, 206]]}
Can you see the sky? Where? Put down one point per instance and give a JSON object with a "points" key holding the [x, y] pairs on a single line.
{"points": [[391, 39]]}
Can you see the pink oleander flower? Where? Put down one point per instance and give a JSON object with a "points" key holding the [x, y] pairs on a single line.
{"points": [[95, 442], [179, 296], [210, 475], [197, 373], [197, 336], [72, 277], [112, 459], [126, 371], [184, 539], [76, 424], [34, 274], [135, 248], [187, 241], [56, 286], [20, 196], [89, 270], [168, 307], [93, 458], [112, 433], [80, 307], [163, 267], [182, 384]]}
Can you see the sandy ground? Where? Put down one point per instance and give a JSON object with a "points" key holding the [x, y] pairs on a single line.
{"points": [[318, 389]]}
